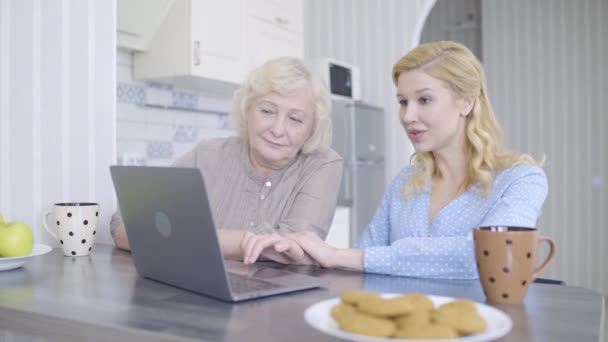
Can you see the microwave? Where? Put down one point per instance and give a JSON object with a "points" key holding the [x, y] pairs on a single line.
{"points": [[342, 78]]}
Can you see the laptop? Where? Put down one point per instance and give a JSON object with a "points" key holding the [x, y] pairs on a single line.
{"points": [[173, 238]]}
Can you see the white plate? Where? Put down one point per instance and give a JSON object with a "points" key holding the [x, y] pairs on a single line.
{"points": [[319, 317], [16, 262]]}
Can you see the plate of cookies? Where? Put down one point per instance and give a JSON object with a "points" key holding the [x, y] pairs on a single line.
{"points": [[371, 317]]}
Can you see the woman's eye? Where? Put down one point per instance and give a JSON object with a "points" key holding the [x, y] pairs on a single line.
{"points": [[267, 111], [295, 119], [424, 100], [403, 102]]}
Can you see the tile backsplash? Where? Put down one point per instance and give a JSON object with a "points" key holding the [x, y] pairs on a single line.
{"points": [[157, 123]]}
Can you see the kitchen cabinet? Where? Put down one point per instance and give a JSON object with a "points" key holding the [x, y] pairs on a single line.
{"points": [[274, 29], [135, 30], [210, 45], [286, 15], [199, 45]]}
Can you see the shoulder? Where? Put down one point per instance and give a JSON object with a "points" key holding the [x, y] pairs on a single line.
{"points": [[325, 164], [319, 158], [522, 171], [523, 176], [220, 145], [209, 152], [213, 149], [402, 177]]}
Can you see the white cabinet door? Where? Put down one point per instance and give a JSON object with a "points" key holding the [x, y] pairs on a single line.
{"points": [[220, 41], [217, 39], [265, 41], [134, 28], [199, 45], [285, 14]]}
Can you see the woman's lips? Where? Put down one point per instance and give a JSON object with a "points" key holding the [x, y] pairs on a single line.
{"points": [[272, 143], [415, 135]]}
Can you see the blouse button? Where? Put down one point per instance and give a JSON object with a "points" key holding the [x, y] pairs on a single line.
{"points": [[262, 197], [251, 223], [268, 184]]}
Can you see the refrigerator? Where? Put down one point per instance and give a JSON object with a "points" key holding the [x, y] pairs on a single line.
{"points": [[358, 136]]}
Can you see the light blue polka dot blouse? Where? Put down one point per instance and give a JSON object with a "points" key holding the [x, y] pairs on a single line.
{"points": [[400, 241]]}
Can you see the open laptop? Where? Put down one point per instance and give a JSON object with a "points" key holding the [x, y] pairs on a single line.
{"points": [[173, 238]]}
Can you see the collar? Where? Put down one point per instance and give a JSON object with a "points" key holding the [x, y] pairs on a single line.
{"points": [[251, 171]]}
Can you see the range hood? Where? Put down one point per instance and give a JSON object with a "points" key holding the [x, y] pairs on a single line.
{"points": [[138, 21]]}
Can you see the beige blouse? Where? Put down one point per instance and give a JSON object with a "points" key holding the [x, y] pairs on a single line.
{"points": [[301, 196]]}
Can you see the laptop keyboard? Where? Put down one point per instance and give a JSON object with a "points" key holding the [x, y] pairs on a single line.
{"points": [[241, 283]]}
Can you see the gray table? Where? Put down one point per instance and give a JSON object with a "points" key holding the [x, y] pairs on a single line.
{"points": [[101, 297]]}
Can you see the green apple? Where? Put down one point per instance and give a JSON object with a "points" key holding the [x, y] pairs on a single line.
{"points": [[16, 239]]}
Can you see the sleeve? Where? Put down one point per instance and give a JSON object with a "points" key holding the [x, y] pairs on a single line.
{"points": [[522, 201], [450, 257], [314, 205], [190, 159], [115, 222], [453, 257]]}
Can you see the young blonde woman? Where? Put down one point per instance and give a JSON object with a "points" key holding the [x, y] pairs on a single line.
{"points": [[461, 176]]}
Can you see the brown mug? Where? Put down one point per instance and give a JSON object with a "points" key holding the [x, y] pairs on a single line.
{"points": [[506, 261]]}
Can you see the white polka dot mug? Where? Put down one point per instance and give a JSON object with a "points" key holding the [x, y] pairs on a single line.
{"points": [[74, 226]]}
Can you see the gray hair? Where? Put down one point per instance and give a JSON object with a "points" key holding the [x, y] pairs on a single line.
{"points": [[284, 75]]}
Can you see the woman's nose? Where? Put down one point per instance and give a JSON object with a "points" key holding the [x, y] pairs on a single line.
{"points": [[278, 127], [408, 114]]}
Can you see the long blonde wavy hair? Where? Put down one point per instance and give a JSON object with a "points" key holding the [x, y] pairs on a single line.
{"points": [[456, 65]]}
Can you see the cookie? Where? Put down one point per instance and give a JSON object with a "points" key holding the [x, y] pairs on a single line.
{"points": [[419, 301], [356, 296], [461, 304], [359, 323], [340, 310], [426, 331], [385, 307], [462, 319], [418, 317]]}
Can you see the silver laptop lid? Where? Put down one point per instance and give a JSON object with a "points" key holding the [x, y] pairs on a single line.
{"points": [[170, 227], [173, 238]]}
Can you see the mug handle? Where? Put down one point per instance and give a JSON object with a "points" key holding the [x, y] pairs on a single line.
{"points": [[45, 218], [541, 268]]}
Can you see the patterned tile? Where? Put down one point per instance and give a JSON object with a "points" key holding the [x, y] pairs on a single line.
{"points": [[134, 159], [185, 100], [159, 97], [159, 150], [185, 133], [130, 93]]}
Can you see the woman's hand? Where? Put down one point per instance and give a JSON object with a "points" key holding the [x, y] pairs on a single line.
{"points": [[326, 255], [274, 247], [316, 248]]}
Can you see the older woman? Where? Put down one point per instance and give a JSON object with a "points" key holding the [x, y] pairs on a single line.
{"points": [[279, 175], [462, 177]]}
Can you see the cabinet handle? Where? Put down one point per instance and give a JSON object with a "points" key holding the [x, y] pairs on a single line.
{"points": [[280, 21], [196, 53]]}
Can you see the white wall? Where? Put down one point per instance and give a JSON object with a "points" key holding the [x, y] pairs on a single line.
{"points": [[546, 70], [372, 35], [57, 107]]}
